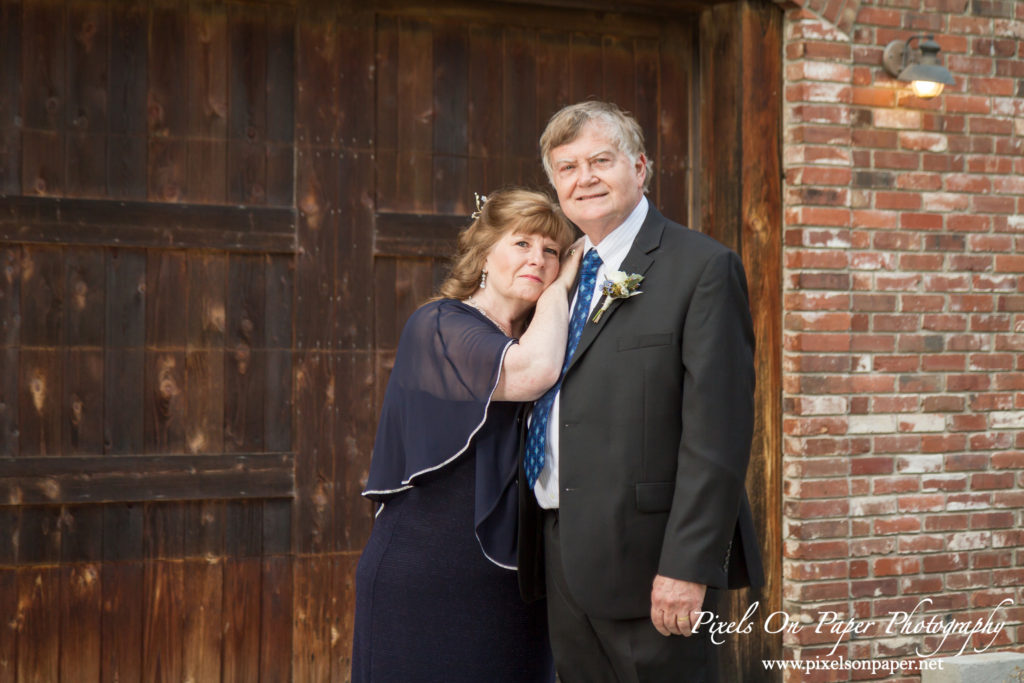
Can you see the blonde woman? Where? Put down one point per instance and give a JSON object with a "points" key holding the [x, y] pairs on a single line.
{"points": [[436, 591]]}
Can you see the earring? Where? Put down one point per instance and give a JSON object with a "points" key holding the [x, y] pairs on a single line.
{"points": [[483, 279]]}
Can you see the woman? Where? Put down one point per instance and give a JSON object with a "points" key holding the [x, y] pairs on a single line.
{"points": [[435, 597]]}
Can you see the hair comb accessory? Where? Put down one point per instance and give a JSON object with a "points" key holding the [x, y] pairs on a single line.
{"points": [[481, 199]]}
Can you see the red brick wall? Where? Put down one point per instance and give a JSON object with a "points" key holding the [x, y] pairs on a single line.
{"points": [[904, 326]]}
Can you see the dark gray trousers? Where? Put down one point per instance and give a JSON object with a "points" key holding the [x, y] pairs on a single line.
{"points": [[593, 650]]}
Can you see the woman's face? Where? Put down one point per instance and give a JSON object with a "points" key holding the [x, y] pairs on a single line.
{"points": [[520, 267]]}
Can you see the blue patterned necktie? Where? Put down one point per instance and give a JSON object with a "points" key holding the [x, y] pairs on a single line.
{"points": [[538, 433]]}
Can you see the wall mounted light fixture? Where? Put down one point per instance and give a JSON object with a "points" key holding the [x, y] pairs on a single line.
{"points": [[920, 66]]}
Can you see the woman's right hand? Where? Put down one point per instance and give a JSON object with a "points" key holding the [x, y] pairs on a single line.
{"points": [[570, 265]]}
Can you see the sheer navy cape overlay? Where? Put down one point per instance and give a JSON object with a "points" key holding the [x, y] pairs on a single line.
{"points": [[438, 407]]}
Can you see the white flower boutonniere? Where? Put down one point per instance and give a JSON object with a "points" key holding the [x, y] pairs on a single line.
{"points": [[618, 285]]}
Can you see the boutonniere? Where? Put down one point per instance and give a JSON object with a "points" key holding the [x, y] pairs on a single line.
{"points": [[618, 285]]}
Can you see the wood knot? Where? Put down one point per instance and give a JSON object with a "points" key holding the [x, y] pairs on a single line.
{"points": [[37, 387]]}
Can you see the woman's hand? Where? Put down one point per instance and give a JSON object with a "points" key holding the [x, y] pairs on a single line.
{"points": [[570, 265]]}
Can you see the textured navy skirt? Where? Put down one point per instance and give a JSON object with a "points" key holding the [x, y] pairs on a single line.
{"points": [[430, 608]]}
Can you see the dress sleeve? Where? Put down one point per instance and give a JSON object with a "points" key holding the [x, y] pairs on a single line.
{"points": [[438, 404]]}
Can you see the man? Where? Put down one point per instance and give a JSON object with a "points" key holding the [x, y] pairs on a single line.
{"points": [[632, 487]]}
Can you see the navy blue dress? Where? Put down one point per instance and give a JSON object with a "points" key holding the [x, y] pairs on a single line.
{"points": [[437, 599]]}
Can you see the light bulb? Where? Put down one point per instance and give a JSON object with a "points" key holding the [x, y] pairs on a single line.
{"points": [[926, 89]]}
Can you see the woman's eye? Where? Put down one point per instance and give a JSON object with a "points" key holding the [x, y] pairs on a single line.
{"points": [[552, 251], [522, 243]]}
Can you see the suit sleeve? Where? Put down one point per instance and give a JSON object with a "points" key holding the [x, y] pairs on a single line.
{"points": [[717, 420]]}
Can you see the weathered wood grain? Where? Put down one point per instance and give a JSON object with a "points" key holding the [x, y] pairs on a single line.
{"points": [[87, 479], [204, 401], [353, 323], [202, 630], [81, 534], [9, 402], [120, 224], [82, 402], [163, 617], [121, 640], [415, 118], [128, 112], [315, 412], [276, 619], [673, 181], [164, 402], [451, 107], [38, 618], [311, 634], [85, 115], [356, 428], [8, 615], [10, 97], [519, 98], [39, 402], [43, 65], [80, 622], [242, 593], [42, 296], [318, 188]]}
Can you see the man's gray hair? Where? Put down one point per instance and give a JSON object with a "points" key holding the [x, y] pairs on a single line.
{"points": [[567, 124]]}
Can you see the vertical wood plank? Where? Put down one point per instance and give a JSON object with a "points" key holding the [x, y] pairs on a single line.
{"points": [[86, 111], [618, 68], [82, 411], [353, 296], [86, 297], [9, 401], [42, 60], [519, 97], [415, 117], [207, 48], [82, 534], [673, 184], [127, 117], [343, 576], [39, 402], [761, 31], [121, 641], [276, 637], [315, 411], [81, 609], [386, 114], [721, 124], [311, 626], [553, 62], [318, 187], [207, 299], [168, 91], [587, 78], [317, 112], [245, 361], [204, 401], [165, 402], [10, 333], [247, 119], [39, 535], [166, 292], [280, 96], [485, 107], [356, 429], [242, 592], [42, 162], [8, 615], [10, 97], [645, 102], [202, 605], [167, 110], [277, 407], [451, 109], [39, 618], [163, 618], [42, 296]]}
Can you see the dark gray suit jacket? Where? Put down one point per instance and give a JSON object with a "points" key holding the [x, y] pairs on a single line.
{"points": [[656, 420]]}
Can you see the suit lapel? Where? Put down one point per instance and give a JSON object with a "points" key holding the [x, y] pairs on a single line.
{"points": [[638, 260]]}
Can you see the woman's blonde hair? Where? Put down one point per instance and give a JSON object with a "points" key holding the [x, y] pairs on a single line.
{"points": [[526, 211]]}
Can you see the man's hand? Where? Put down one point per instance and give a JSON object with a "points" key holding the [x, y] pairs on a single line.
{"points": [[675, 605]]}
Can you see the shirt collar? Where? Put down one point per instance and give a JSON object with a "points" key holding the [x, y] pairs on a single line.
{"points": [[614, 247]]}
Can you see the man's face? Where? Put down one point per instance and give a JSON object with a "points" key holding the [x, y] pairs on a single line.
{"points": [[597, 185]]}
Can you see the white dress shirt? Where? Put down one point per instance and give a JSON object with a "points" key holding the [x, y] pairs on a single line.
{"points": [[612, 250]]}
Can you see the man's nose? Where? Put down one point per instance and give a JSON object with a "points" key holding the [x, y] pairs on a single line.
{"points": [[586, 174]]}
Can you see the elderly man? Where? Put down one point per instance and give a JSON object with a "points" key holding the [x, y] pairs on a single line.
{"points": [[633, 508]]}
